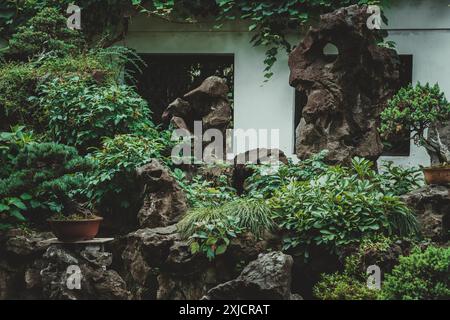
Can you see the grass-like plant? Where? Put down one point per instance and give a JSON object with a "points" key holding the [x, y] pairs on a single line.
{"points": [[248, 214]]}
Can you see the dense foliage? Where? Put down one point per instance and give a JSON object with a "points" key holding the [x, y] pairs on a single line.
{"points": [[113, 185], [81, 114], [423, 275], [45, 32], [39, 179], [270, 21], [313, 204], [418, 109], [338, 207]]}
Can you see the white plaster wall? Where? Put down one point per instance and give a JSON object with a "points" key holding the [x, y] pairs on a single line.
{"points": [[271, 105]]}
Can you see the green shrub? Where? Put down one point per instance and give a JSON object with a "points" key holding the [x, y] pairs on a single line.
{"points": [[343, 287], [45, 179], [213, 237], [113, 183], [418, 109], [338, 208], [351, 284], [81, 114], [423, 275], [248, 214], [266, 180], [19, 82], [205, 193], [46, 31], [210, 229]]}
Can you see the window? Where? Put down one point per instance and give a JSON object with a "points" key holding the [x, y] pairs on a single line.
{"points": [[170, 76]]}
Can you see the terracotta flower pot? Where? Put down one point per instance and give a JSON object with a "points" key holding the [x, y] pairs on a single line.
{"points": [[437, 175], [75, 230]]}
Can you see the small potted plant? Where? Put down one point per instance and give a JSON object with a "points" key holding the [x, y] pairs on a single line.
{"points": [[421, 110], [78, 224]]}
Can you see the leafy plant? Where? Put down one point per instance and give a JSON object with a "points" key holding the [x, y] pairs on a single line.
{"points": [[251, 215], [266, 179], [423, 275], [46, 178], [351, 284], [205, 193], [212, 238], [81, 114], [398, 181], [419, 108], [113, 183], [338, 207], [343, 287], [46, 31], [19, 82]]}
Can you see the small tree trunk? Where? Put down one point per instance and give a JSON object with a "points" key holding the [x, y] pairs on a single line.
{"points": [[438, 151]]}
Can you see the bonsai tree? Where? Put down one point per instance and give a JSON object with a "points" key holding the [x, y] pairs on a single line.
{"points": [[419, 109]]}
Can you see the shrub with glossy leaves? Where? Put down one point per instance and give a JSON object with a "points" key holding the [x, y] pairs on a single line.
{"points": [[338, 208]]}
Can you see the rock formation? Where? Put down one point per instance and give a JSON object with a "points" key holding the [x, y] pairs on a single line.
{"points": [[208, 103], [432, 206], [266, 278], [344, 96], [164, 202]]}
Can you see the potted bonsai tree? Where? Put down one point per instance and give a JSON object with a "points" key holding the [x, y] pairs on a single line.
{"points": [[75, 224], [421, 110]]}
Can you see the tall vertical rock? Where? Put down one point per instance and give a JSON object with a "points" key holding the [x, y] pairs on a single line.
{"points": [[345, 94]]}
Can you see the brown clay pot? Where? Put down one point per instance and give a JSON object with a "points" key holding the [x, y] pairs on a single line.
{"points": [[437, 175], [75, 230]]}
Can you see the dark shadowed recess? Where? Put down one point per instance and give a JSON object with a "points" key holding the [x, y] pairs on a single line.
{"points": [[169, 76]]}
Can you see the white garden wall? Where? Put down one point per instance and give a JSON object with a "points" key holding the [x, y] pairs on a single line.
{"points": [[420, 28]]}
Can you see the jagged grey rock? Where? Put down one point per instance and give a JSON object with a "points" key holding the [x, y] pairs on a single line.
{"points": [[345, 95], [266, 278], [432, 206]]}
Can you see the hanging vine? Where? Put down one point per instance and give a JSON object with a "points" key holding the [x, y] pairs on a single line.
{"points": [[270, 21]]}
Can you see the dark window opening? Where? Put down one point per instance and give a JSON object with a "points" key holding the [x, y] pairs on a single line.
{"points": [[395, 146], [170, 76]]}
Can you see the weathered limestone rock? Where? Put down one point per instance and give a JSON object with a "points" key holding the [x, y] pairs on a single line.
{"points": [[157, 264], [18, 249], [432, 206], [150, 258], [346, 95], [164, 202], [208, 103], [97, 282], [268, 277]]}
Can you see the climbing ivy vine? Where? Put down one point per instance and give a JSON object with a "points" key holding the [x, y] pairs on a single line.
{"points": [[270, 21]]}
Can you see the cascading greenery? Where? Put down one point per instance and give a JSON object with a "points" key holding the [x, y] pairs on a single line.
{"points": [[270, 21]]}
